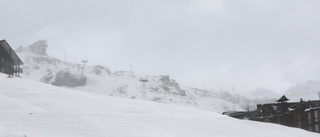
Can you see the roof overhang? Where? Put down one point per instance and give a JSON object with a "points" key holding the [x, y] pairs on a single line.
{"points": [[10, 51]]}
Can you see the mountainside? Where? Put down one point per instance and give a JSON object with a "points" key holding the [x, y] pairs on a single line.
{"points": [[101, 80], [34, 109], [307, 91], [264, 93]]}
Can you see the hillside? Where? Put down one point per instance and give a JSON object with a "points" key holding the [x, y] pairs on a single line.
{"points": [[265, 93], [101, 80], [307, 91], [34, 109]]}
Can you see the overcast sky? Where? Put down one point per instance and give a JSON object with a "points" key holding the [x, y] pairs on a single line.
{"points": [[206, 44]]}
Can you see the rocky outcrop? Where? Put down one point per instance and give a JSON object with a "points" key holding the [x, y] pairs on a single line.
{"points": [[167, 86], [39, 48], [100, 70], [65, 78]]}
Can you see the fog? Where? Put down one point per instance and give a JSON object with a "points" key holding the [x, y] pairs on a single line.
{"points": [[211, 44]]}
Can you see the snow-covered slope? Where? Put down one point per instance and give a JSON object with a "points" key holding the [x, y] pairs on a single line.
{"points": [[306, 91], [34, 109], [265, 93], [99, 79]]}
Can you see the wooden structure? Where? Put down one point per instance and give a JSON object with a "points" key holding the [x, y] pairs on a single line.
{"points": [[283, 99], [9, 61], [303, 114], [306, 115]]}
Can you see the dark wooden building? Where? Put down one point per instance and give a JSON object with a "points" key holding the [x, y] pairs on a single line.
{"points": [[303, 114], [9, 61]]}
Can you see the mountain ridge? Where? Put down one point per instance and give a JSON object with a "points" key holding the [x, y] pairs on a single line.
{"points": [[307, 91], [101, 80]]}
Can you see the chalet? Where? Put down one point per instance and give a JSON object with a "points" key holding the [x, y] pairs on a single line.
{"points": [[303, 114], [9, 61]]}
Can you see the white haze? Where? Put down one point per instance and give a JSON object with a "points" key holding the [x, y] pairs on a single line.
{"points": [[206, 44]]}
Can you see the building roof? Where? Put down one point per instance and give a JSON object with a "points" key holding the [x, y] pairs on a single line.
{"points": [[283, 99], [4, 44], [277, 112], [311, 104]]}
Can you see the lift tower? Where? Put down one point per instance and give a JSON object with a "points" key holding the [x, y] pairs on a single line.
{"points": [[144, 92]]}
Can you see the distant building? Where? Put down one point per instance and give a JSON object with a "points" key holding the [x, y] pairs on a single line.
{"points": [[303, 114], [9, 61], [38, 48]]}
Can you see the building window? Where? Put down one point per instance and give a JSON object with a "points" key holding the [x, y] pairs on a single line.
{"points": [[316, 127], [309, 121], [299, 121], [316, 116], [309, 118]]}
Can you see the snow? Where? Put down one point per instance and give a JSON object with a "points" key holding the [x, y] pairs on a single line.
{"points": [[126, 84], [34, 109], [307, 91], [265, 93]]}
